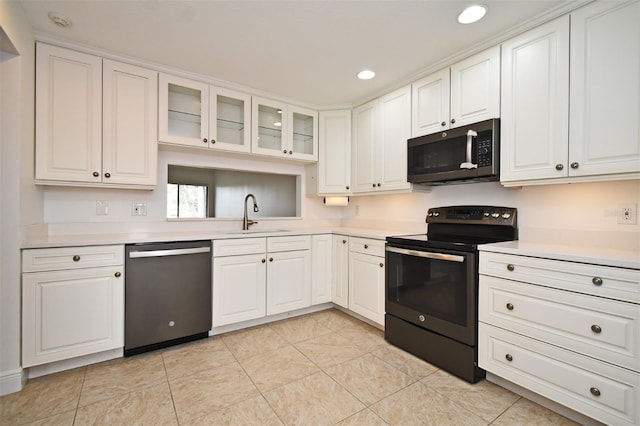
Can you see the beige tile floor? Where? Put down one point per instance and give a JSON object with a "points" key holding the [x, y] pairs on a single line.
{"points": [[319, 369]]}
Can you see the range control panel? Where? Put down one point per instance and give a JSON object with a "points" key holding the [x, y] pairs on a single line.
{"points": [[485, 215]]}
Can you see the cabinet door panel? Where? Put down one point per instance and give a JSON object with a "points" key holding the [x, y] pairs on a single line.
{"points": [[68, 115], [605, 88], [288, 281], [229, 120], [364, 147], [303, 133], [340, 269], [130, 147], [366, 286], [395, 129], [430, 104], [475, 88], [321, 269], [71, 313], [239, 289], [334, 152], [183, 107], [535, 103], [269, 128]]}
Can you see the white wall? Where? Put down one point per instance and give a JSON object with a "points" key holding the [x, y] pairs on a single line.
{"points": [[584, 213], [20, 202]]}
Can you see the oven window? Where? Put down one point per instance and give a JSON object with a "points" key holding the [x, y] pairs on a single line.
{"points": [[436, 288]]}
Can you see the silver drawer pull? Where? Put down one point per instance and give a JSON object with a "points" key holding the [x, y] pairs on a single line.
{"points": [[595, 391], [596, 281], [510, 267], [596, 328], [510, 306], [508, 357]]}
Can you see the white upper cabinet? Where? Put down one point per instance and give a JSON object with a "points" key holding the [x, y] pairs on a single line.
{"points": [[284, 131], [379, 146], [334, 152], [572, 113], [94, 126], [197, 114], [465, 93], [604, 132], [68, 115], [535, 103], [129, 124]]}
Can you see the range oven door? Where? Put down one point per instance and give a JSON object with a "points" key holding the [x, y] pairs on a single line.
{"points": [[433, 289]]}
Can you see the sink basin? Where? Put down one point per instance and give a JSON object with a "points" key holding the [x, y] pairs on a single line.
{"points": [[258, 231]]}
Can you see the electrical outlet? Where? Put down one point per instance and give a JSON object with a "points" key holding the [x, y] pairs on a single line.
{"points": [[102, 208], [628, 214], [139, 209]]}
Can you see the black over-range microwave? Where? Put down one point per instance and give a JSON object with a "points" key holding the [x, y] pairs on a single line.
{"points": [[468, 153]]}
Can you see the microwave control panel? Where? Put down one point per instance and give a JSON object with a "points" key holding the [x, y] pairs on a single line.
{"points": [[483, 149]]}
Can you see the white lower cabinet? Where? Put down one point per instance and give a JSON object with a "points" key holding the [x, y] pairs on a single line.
{"points": [[340, 271], [254, 277], [74, 306], [321, 268], [288, 281], [568, 331], [239, 292], [366, 278]]}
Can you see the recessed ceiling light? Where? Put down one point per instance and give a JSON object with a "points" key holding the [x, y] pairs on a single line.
{"points": [[366, 75], [60, 20], [472, 14]]}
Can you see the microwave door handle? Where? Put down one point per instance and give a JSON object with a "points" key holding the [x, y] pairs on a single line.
{"points": [[468, 164], [427, 254]]}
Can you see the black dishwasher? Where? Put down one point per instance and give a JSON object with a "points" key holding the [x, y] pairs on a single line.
{"points": [[167, 294]]}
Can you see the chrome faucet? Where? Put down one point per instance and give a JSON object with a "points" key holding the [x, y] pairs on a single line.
{"points": [[246, 222]]}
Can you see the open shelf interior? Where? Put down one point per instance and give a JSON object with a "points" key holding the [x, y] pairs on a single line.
{"points": [[269, 132], [230, 120]]}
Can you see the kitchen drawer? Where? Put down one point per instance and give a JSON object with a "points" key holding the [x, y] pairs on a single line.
{"points": [[602, 328], [57, 259], [288, 243], [367, 246], [616, 283], [239, 246], [599, 390]]}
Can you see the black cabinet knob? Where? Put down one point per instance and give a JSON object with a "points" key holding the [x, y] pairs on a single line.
{"points": [[205, 140], [596, 329], [509, 357], [510, 267], [96, 174], [596, 281], [107, 175], [118, 274], [510, 306], [76, 258]]}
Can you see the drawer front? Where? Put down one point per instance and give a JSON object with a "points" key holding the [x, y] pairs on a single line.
{"points": [[367, 246], [289, 243], [239, 246], [616, 283], [605, 329], [599, 390], [57, 259]]}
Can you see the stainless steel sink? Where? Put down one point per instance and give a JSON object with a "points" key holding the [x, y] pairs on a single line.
{"points": [[258, 231]]}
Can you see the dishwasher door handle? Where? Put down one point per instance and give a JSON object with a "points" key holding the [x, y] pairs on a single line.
{"points": [[170, 252]]}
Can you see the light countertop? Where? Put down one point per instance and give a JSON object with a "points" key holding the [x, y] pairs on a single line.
{"points": [[48, 241], [571, 253]]}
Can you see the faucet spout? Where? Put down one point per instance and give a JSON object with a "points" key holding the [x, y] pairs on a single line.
{"points": [[246, 222]]}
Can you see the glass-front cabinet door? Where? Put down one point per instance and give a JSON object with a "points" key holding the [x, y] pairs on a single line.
{"points": [[284, 131], [229, 118], [269, 128], [303, 135], [183, 111], [197, 114]]}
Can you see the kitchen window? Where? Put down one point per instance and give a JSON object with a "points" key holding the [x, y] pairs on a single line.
{"points": [[186, 201]]}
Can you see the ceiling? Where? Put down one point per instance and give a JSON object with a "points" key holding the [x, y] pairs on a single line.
{"points": [[307, 51]]}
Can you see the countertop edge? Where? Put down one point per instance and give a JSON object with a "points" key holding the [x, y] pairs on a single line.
{"points": [[628, 259]]}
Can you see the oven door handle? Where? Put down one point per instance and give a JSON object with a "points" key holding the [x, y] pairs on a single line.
{"points": [[427, 254]]}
